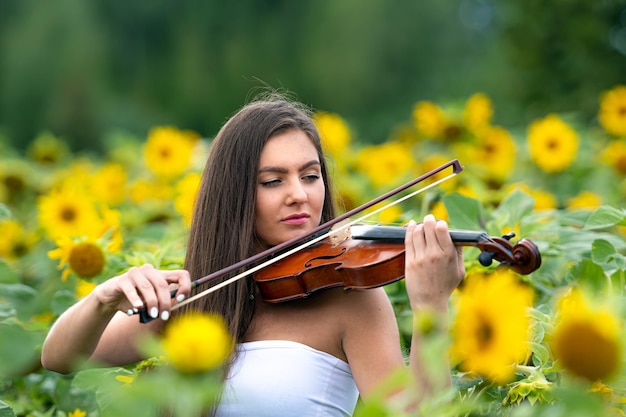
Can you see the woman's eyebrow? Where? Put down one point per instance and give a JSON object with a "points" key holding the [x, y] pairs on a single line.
{"points": [[283, 170]]}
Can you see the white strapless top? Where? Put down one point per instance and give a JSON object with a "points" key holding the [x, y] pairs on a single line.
{"points": [[284, 378]]}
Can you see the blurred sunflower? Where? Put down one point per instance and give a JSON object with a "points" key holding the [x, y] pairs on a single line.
{"points": [[16, 241], [495, 153], [77, 413], [143, 190], [47, 149], [86, 258], [394, 163], [430, 120], [584, 200], [168, 151], [586, 339], [334, 133], [615, 156], [84, 288], [67, 212], [197, 342], [491, 329], [478, 112], [108, 184], [544, 200], [187, 188], [553, 143], [612, 113]]}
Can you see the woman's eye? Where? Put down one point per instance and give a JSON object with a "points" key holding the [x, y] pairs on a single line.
{"points": [[270, 183], [311, 177]]}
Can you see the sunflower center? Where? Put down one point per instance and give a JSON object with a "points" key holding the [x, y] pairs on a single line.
{"points": [[586, 352], [620, 164], [484, 334], [621, 111], [86, 260], [165, 153], [552, 144], [68, 214]]}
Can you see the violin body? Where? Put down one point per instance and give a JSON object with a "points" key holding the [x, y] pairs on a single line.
{"points": [[372, 257], [359, 264]]}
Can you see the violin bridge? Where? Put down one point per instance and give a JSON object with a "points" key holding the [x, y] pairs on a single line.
{"points": [[339, 233]]}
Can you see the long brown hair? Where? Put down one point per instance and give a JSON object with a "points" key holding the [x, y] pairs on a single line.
{"points": [[223, 226]]}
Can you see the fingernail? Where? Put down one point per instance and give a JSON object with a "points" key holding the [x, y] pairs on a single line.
{"points": [[154, 312], [412, 222], [180, 297], [130, 312], [429, 217], [165, 315], [138, 303]]}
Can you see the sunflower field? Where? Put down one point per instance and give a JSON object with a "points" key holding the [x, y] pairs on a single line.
{"points": [[548, 343]]}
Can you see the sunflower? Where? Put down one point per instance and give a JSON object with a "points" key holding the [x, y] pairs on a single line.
{"points": [[85, 258], [168, 151], [615, 156], [394, 161], [584, 200], [544, 200], [495, 152], [108, 184], [16, 241], [612, 114], [67, 212], [430, 120], [586, 338], [187, 188], [553, 143], [47, 149], [77, 413], [478, 112], [334, 133], [197, 342], [491, 329]]}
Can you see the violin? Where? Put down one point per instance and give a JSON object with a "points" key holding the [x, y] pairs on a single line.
{"points": [[374, 256]]}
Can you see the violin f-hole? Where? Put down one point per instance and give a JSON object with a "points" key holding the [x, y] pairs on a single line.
{"points": [[310, 262]]}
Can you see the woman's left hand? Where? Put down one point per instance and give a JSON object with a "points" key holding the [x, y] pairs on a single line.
{"points": [[434, 265]]}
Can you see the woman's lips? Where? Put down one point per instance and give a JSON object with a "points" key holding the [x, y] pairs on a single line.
{"points": [[296, 219]]}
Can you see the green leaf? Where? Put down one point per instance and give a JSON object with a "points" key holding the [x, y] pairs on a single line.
{"points": [[605, 217], [6, 410], [517, 205], [464, 212], [5, 214], [601, 251], [18, 350], [588, 273], [7, 274]]}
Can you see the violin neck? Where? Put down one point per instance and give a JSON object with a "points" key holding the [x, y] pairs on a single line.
{"points": [[396, 234]]}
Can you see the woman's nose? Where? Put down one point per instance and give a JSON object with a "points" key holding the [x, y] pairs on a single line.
{"points": [[296, 194]]}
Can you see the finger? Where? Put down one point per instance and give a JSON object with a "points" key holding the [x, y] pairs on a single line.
{"points": [[146, 289], [443, 236], [159, 282], [183, 283], [409, 237], [430, 238], [128, 287]]}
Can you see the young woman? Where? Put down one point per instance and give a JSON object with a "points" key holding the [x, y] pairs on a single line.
{"points": [[265, 182]]}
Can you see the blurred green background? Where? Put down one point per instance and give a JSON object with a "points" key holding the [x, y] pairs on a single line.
{"points": [[84, 68]]}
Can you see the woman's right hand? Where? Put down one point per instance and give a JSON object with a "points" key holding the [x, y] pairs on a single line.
{"points": [[144, 287]]}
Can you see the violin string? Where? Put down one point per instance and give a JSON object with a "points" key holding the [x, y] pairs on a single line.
{"points": [[306, 244]]}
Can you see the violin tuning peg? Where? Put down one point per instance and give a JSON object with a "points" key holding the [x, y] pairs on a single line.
{"points": [[509, 236]]}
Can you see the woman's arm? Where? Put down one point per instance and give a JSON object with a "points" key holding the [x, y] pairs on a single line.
{"points": [[96, 328], [434, 268]]}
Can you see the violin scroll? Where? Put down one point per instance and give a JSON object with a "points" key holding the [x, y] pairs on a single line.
{"points": [[523, 257]]}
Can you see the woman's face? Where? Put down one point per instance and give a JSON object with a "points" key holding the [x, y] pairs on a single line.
{"points": [[290, 188]]}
